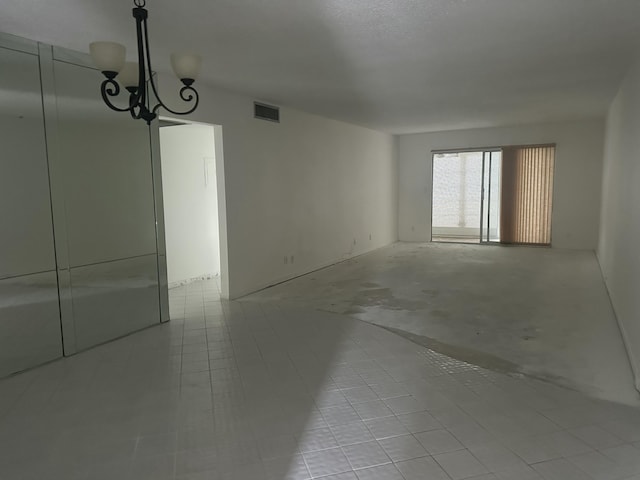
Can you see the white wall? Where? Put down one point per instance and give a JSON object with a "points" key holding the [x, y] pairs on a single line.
{"points": [[578, 169], [304, 189], [190, 202], [620, 222]]}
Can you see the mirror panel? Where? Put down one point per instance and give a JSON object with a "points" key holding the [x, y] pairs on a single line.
{"points": [[26, 243], [29, 322], [104, 158], [29, 310], [112, 299]]}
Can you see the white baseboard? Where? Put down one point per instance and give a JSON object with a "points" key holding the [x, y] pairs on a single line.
{"points": [[315, 268], [635, 367], [181, 283]]}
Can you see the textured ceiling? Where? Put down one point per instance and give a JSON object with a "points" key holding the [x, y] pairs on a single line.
{"points": [[394, 65]]}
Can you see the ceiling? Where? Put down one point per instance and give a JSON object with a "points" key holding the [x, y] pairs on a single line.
{"points": [[394, 65]]}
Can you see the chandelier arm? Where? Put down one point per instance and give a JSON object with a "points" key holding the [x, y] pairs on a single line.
{"points": [[192, 93], [134, 115], [151, 80], [110, 88], [188, 94], [136, 108]]}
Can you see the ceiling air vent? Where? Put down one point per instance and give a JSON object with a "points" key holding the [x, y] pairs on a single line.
{"points": [[266, 112]]}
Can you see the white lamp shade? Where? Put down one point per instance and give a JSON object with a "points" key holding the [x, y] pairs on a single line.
{"points": [[129, 75], [186, 65], [108, 56]]}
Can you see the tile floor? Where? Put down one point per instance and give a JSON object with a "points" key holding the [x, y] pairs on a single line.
{"points": [[539, 311], [250, 390]]}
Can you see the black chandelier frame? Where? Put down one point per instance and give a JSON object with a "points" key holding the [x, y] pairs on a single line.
{"points": [[139, 95]]}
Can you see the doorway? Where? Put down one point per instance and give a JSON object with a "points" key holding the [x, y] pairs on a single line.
{"points": [[466, 196], [191, 212]]}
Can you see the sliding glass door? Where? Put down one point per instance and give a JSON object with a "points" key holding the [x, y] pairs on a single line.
{"points": [[466, 196], [502, 195]]}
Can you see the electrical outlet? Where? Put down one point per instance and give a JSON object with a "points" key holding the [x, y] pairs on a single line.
{"points": [[354, 241], [292, 259], [286, 259], [369, 236]]}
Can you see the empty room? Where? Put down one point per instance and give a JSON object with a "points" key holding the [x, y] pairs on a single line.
{"points": [[332, 239]]}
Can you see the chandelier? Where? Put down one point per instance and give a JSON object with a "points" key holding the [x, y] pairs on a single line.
{"points": [[137, 78]]}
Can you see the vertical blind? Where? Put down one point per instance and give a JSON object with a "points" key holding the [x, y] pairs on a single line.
{"points": [[527, 195]]}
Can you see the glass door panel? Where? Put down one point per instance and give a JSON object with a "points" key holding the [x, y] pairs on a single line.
{"points": [[457, 197], [491, 183]]}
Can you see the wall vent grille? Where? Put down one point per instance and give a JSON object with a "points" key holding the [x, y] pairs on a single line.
{"points": [[266, 112]]}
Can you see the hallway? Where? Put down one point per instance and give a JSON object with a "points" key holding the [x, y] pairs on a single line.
{"points": [[267, 390]]}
